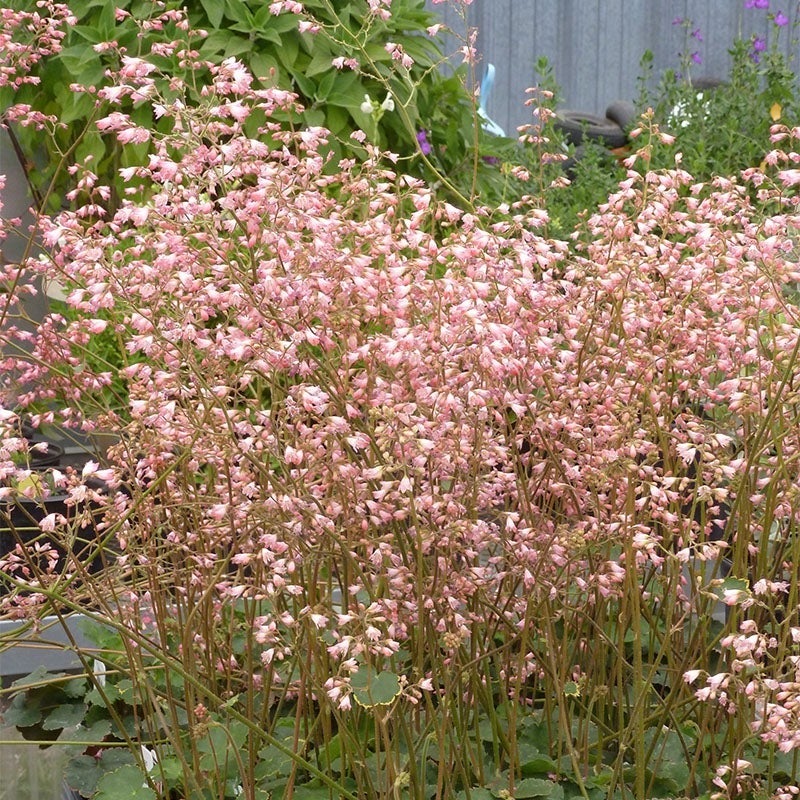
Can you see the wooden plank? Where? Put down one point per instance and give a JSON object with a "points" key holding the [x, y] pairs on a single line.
{"points": [[596, 46]]}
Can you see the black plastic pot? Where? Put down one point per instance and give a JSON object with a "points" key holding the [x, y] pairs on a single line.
{"points": [[41, 459], [20, 525], [68, 793]]}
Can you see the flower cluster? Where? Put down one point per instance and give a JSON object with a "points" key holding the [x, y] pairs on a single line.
{"points": [[28, 37], [759, 43], [361, 428]]}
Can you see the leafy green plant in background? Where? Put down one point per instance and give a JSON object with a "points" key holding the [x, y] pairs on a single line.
{"points": [[333, 57], [569, 182], [723, 126]]}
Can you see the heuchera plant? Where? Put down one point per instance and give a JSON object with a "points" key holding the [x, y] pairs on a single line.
{"points": [[409, 500]]}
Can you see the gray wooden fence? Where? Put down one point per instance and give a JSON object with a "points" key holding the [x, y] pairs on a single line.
{"points": [[595, 46]]}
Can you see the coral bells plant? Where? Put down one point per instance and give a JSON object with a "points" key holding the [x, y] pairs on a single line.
{"points": [[410, 501]]}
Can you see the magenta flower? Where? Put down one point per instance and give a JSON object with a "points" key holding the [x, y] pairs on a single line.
{"points": [[781, 20], [756, 3]]}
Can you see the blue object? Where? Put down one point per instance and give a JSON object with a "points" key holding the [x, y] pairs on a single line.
{"points": [[488, 124]]}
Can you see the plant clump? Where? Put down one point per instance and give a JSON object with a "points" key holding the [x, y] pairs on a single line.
{"points": [[409, 499]]}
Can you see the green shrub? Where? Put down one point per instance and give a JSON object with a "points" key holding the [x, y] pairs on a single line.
{"points": [[292, 51]]}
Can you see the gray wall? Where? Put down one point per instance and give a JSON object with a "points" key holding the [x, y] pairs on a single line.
{"points": [[595, 46]]}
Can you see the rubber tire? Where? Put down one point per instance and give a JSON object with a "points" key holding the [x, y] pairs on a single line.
{"points": [[623, 113], [579, 126], [704, 84]]}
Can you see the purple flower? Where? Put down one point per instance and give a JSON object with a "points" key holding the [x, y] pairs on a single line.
{"points": [[697, 58], [756, 3], [677, 21], [698, 35], [781, 19], [759, 46], [424, 144]]}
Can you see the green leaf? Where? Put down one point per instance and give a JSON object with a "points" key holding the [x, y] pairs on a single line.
{"points": [[79, 105], [320, 62], [338, 121], [107, 21], [75, 688], [215, 11], [371, 689], [96, 732], [306, 86], [731, 584], [170, 769], [287, 54], [377, 52], [668, 760], [103, 637], [82, 774], [475, 794], [219, 738], [534, 787], [238, 11], [314, 117], [91, 144], [273, 763], [785, 764], [423, 51], [65, 716], [216, 42], [125, 783], [325, 86], [261, 64], [38, 676], [347, 90], [265, 22], [533, 762], [109, 696], [311, 793], [237, 46], [21, 713]]}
